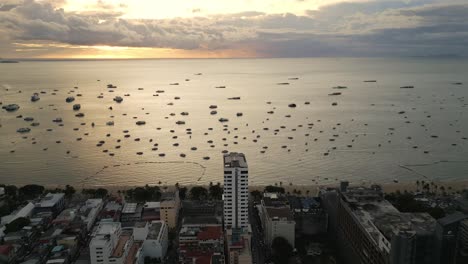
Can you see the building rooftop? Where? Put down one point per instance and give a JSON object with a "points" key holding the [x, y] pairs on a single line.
{"points": [[168, 195], [282, 214], [113, 206], [235, 160], [154, 230], [275, 200], [122, 243], [106, 228], [5, 249], [202, 233], [452, 218], [50, 200], [130, 208]]}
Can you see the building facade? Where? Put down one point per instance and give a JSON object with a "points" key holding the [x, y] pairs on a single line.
{"points": [[277, 219], [236, 191], [170, 207]]}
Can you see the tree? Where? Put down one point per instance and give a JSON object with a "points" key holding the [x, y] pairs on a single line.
{"points": [[257, 195], [216, 191], [198, 193], [274, 189], [69, 191], [281, 250], [17, 224], [101, 192], [30, 191], [182, 193]]}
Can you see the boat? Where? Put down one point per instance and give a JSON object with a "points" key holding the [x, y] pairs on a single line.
{"points": [[111, 86], [239, 114], [109, 123], [335, 93], [334, 103], [206, 158], [213, 106], [118, 99], [198, 73], [70, 99], [23, 130], [162, 154], [140, 123], [160, 91], [457, 83], [340, 87], [9, 61], [223, 120], [193, 148], [174, 83], [80, 115], [35, 97], [182, 155], [293, 78], [180, 122], [57, 120], [370, 81], [283, 83], [234, 98], [292, 105], [407, 87], [184, 113], [28, 119], [76, 107], [35, 124], [11, 107], [213, 112], [220, 87]]}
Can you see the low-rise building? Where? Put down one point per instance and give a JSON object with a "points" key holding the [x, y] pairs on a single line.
{"points": [[151, 211], [131, 213], [170, 207], [112, 211], [154, 239], [277, 219], [201, 244], [89, 212], [309, 215], [52, 202], [7, 254], [239, 245]]}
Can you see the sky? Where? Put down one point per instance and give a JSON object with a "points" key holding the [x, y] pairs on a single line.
{"points": [[232, 28]]}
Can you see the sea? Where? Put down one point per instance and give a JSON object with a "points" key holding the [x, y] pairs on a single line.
{"points": [[298, 121]]}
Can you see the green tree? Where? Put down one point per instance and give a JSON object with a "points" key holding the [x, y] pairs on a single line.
{"points": [[101, 192], [281, 250], [30, 191], [198, 193], [17, 224], [274, 189], [69, 191], [182, 193], [216, 191], [257, 195]]}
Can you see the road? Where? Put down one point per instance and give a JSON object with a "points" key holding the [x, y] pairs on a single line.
{"points": [[258, 249]]}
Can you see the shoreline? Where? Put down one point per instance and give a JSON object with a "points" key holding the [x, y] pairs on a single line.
{"points": [[311, 190]]}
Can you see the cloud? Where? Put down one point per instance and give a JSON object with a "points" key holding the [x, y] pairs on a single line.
{"points": [[375, 28]]}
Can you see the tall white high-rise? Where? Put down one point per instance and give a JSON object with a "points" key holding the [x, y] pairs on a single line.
{"points": [[236, 191]]}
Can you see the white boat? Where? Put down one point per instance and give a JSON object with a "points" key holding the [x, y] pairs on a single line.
{"points": [[35, 97], [57, 120]]}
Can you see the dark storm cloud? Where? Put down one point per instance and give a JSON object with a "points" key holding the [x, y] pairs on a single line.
{"points": [[376, 28]]}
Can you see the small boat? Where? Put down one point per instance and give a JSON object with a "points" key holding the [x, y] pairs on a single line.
{"points": [[162, 154], [160, 91], [35, 97], [140, 123], [182, 155], [457, 83], [180, 122], [80, 115], [213, 112], [283, 83], [109, 123], [174, 84], [293, 78], [220, 87], [193, 148], [407, 87], [334, 104], [340, 87], [198, 73], [213, 106], [292, 105], [335, 93], [118, 99], [234, 98], [11, 107], [57, 120], [239, 114], [23, 130], [184, 113], [70, 99], [35, 124], [111, 86], [370, 81], [223, 120], [76, 107], [206, 158], [28, 119]]}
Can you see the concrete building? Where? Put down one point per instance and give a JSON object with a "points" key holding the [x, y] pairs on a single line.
{"points": [[52, 202], [151, 211], [239, 245], [463, 238], [170, 207], [25, 212], [131, 213], [90, 211], [112, 245], [236, 191], [370, 230], [201, 245], [154, 239], [202, 212], [277, 219], [309, 215]]}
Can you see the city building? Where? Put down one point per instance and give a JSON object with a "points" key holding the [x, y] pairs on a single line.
{"points": [[371, 230], [151, 211], [309, 215], [89, 212], [25, 212], [236, 191], [239, 245], [111, 211], [463, 239], [131, 213], [154, 239], [449, 231], [110, 244], [201, 244], [205, 212], [7, 254], [170, 207], [52, 202], [277, 219]]}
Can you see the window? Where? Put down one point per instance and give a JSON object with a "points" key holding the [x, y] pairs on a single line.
{"points": [[227, 172]]}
